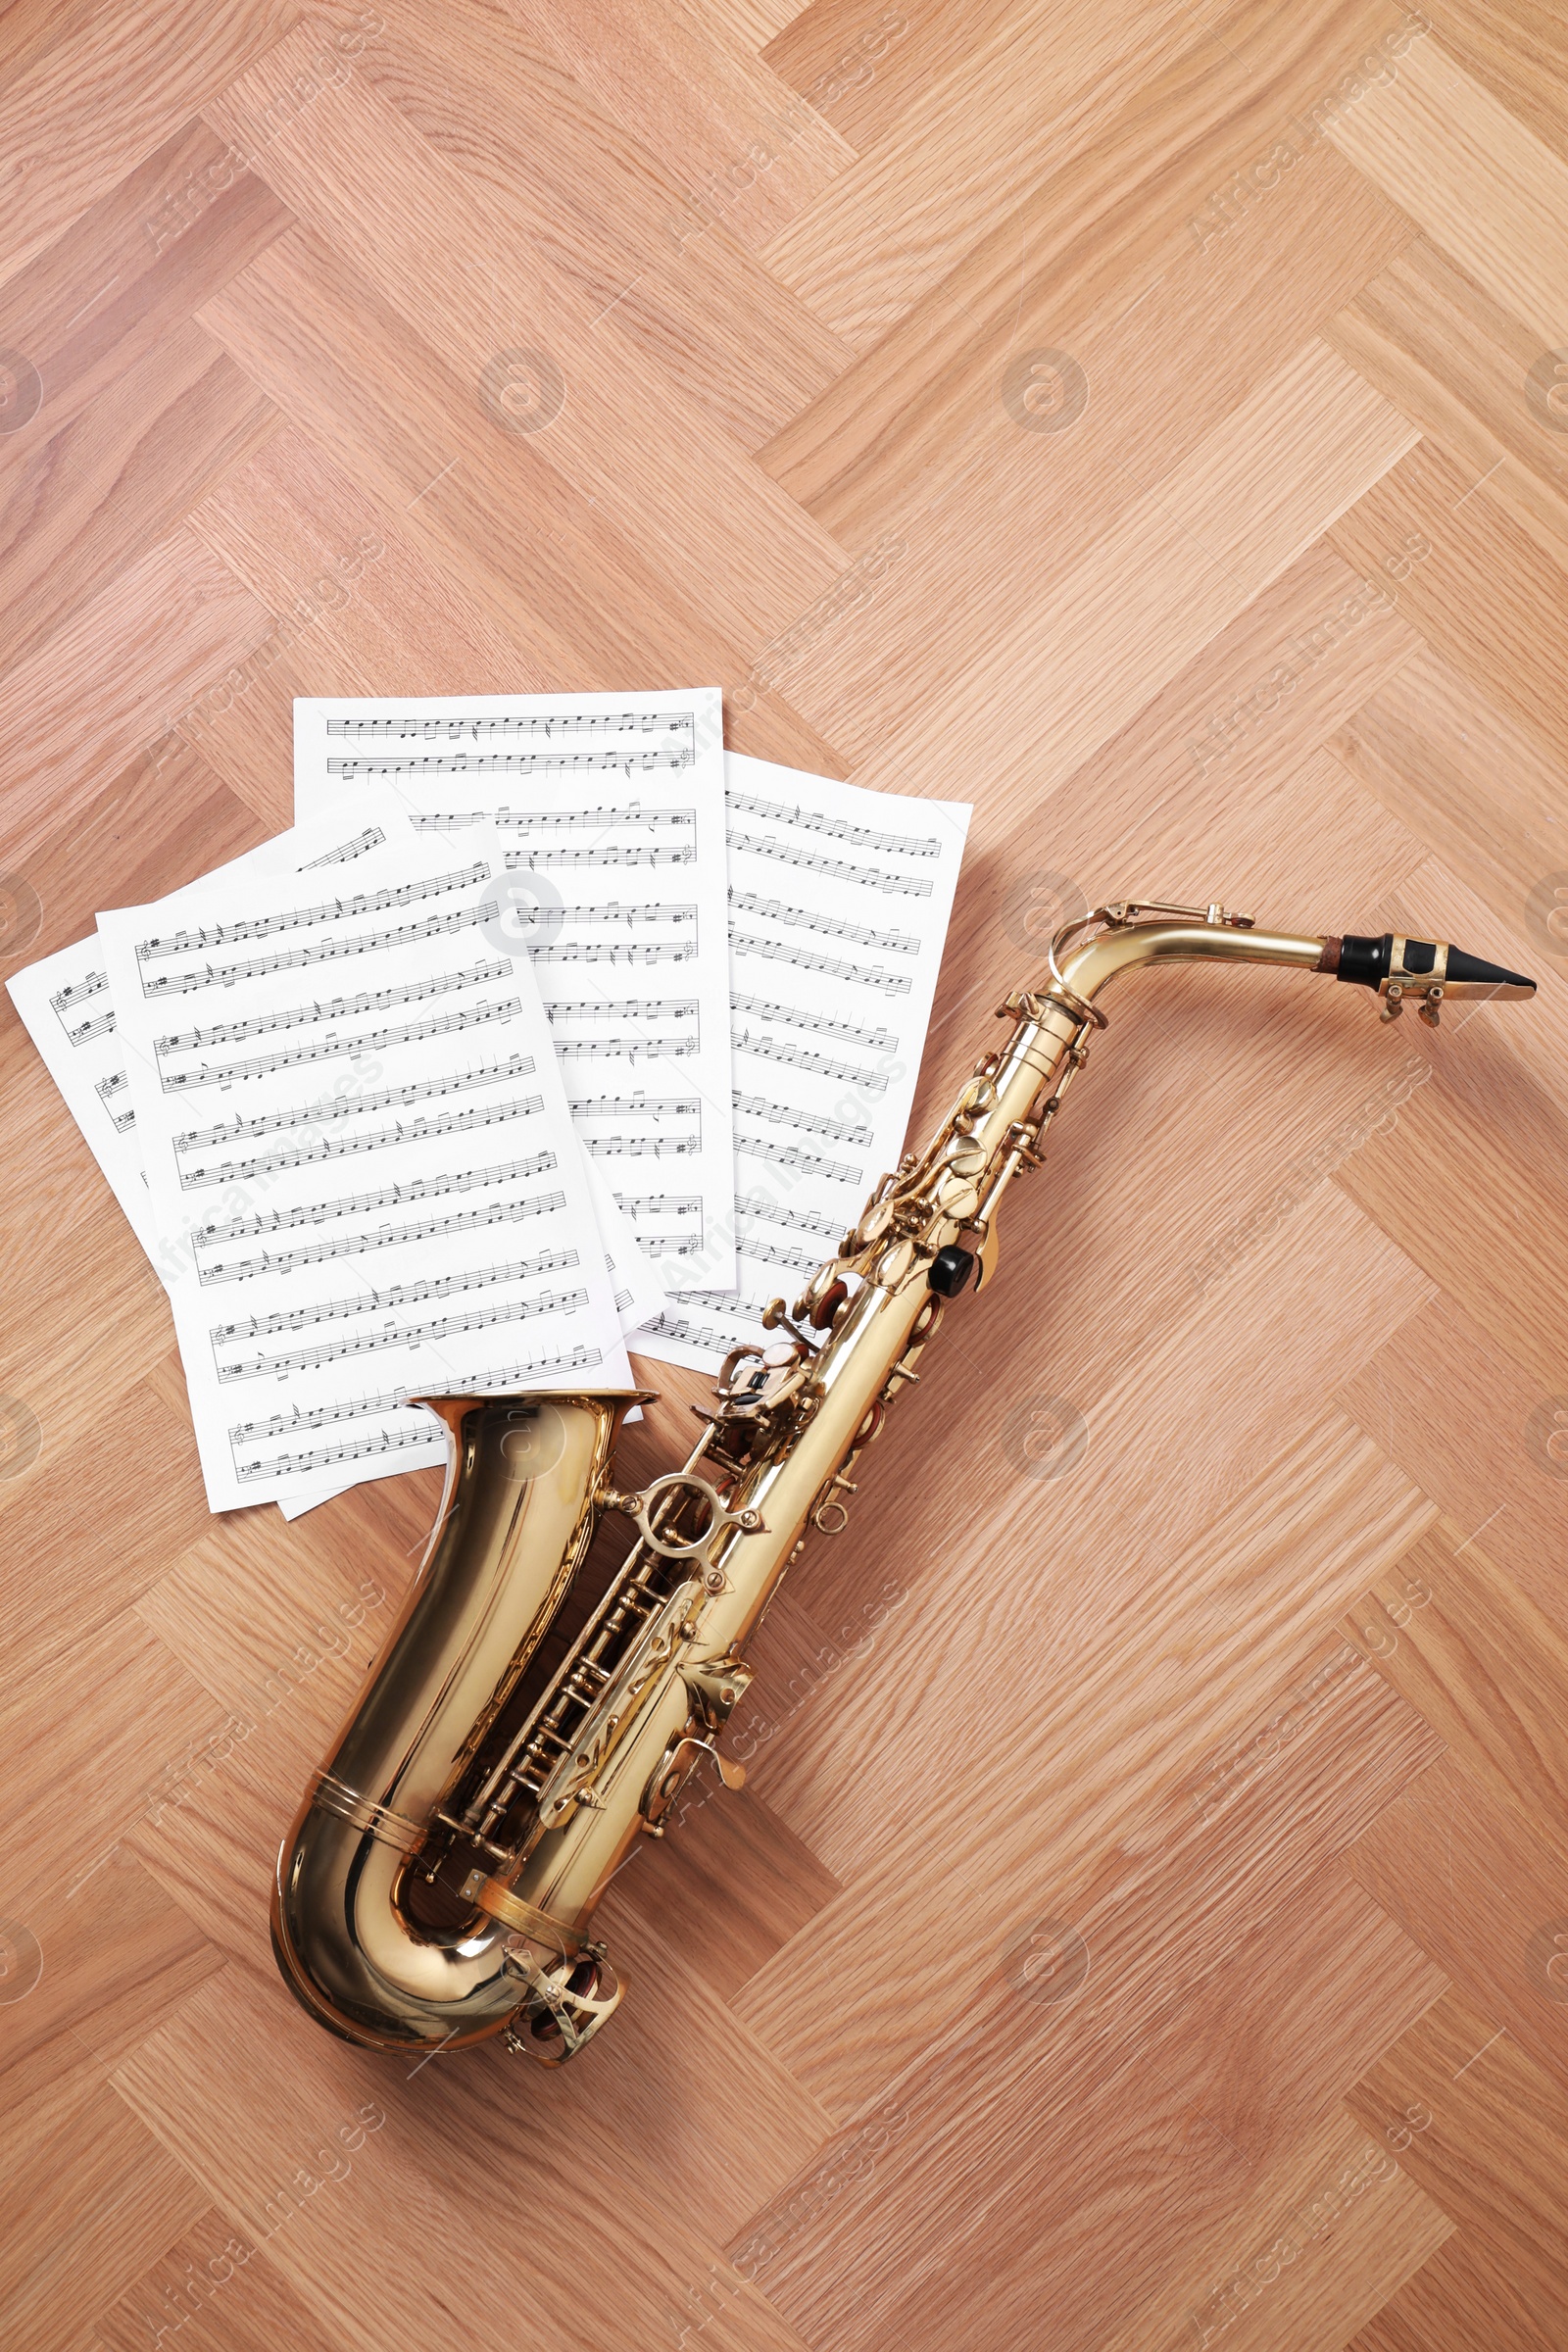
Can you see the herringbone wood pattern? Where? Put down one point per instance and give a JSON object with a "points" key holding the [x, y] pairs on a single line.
{"points": [[1147, 1917]]}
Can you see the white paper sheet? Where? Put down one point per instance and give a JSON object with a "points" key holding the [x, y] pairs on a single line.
{"points": [[839, 908], [611, 810], [360, 1078], [65, 1004]]}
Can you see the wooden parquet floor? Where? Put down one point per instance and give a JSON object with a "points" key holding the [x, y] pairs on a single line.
{"points": [[1149, 420]]}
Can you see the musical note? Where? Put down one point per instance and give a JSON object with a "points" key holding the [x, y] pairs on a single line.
{"points": [[479, 1319], [336, 1008], [346, 1147], [880, 1041], [551, 820], [103, 1026], [623, 1009], [370, 839], [717, 1337], [116, 1083], [805, 1163], [429, 730], [768, 1049], [620, 828], [353, 1408], [804, 1221], [891, 984], [324, 951], [360, 1204], [346, 1105], [779, 1254], [387, 1237], [326, 1457], [638, 1106], [860, 837], [776, 910], [595, 820], [642, 1147], [507, 764], [625, 1048], [785, 1114], [93, 984], [551, 919], [472, 1016], [764, 845], [673, 951], [659, 1204], [301, 918], [613, 853], [376, 1302]]}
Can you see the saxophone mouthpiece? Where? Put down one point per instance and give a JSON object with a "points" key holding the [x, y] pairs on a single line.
{"points": [[1424, 970]]}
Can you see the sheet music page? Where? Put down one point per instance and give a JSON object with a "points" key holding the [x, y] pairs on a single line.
{"points": [[65, 1004], [68, 1009], [367, 1065], [65, 1008], [839, 906], [611, 807]]}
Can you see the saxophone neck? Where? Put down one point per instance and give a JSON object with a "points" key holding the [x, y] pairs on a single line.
{"points": [[1088, 953]]}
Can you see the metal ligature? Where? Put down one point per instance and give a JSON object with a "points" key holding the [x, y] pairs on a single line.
{"points": [[514, 1738]]}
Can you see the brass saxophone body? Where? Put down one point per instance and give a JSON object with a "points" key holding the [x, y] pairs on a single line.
{"points": [[439, 1882]]}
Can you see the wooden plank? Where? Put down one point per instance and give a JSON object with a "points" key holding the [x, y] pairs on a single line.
{"points": [[1436, 345], [545, 160], [1173, 567], [99, 691], [170, 234], [969, 150], [861, 73], [1166, 2112], [1508, 1492], [1420, 132], [137, 460], [1505, 645], [1485, 1902], [1460, 2297], [1148, 196], [1426, 744], [92, 2200], [709, 109], [365, 181], [539, 555], [94, 104], [1490, 2149], [1464, 1646]]}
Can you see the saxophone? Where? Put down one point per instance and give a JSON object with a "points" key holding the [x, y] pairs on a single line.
{"points": [[439, 1882]]}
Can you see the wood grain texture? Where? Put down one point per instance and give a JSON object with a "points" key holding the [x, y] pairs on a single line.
{"points": [[1146, 1922]]}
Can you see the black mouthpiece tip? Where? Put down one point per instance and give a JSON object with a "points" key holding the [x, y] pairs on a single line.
{"points": [[1367, 961]]}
